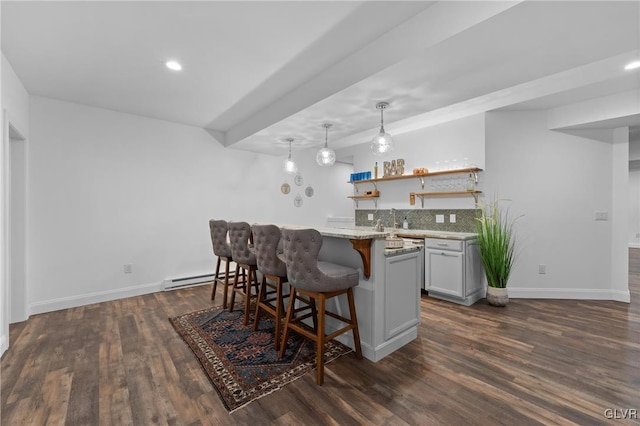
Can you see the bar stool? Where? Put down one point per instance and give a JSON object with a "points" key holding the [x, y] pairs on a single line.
{"points": [[245, 258], [222, 250], [270, 297], [319, 281]]}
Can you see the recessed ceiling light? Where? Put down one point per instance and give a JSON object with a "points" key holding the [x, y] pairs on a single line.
{"points": [[633, 65], [173, 65]]}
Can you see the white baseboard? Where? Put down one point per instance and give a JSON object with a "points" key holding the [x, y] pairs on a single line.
{"points": [[87, 299], [569, 293], [4, 344], [634, 245]]}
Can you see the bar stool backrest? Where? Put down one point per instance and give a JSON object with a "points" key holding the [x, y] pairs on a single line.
{"points": [[301, 249], [219, 229], [239, 234], [265, 240]]}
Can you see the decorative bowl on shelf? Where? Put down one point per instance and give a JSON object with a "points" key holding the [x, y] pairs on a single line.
{"points": [[420, 171]]}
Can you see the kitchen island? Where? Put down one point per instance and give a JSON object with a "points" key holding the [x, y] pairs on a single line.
{"points": [[388, 294]]}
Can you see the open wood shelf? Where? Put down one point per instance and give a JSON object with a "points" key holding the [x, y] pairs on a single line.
{"points": [[421, 177], [422, 195], [356, 198]]}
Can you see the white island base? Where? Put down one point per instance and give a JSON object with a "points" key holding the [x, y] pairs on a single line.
{"points": [[387, 302]]}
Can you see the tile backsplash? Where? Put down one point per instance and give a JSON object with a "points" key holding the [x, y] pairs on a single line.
{"points": [[421, 219]]}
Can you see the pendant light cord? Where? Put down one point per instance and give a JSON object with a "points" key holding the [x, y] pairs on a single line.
{"points": [[326, 136]]}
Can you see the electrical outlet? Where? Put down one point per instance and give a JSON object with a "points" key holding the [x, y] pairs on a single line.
{"points": [[370, 216], [439, 218], [452, 218], [601, 215], [542, 269], [128, 268]]}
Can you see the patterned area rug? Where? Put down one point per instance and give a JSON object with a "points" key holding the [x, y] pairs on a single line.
{"points": [[242, 364]]}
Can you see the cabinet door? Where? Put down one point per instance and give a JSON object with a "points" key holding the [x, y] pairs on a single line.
{"points": [[401, 293], [444, 272]]}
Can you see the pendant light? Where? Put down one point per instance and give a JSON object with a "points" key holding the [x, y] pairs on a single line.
{"points": [[382, 143], [289, 165], [326, 157]]}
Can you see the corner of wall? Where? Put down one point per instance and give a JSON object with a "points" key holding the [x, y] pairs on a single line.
{"points": [[4, 344]]}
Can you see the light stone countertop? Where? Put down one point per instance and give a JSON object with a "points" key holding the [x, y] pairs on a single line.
{"points": [[366, 232], [426, 233], [348, 233]]}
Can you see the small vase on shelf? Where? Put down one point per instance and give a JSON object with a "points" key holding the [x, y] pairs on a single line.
{"points": [[471, 183]]}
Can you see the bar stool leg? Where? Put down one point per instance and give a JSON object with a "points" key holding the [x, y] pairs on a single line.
{"points": [[354, 323], [287, 320], [261, 297], [253, 282], [320, 341], [215, 280], [235, 285], [226, 284], [279, 312]]}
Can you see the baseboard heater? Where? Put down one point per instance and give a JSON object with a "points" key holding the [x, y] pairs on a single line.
{"points": [[176, 283]]}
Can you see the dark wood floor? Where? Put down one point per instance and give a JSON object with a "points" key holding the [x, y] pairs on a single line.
{"points": [[533, 362]]}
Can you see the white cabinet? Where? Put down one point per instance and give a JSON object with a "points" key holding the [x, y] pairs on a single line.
{"points": [[453, 270], [402, 293]]}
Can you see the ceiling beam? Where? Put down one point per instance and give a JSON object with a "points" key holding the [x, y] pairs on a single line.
{"points": [[428, 28], [563, 81]]}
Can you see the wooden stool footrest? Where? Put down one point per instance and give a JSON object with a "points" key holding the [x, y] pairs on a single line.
{"points": [[338, 317]]}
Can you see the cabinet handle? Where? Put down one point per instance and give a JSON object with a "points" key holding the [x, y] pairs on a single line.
{"points": [[443, 244]]}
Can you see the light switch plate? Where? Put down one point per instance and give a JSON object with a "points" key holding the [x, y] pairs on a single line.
{"points": [[370, 216], [452, 218], [439, 218], [601, 215]]}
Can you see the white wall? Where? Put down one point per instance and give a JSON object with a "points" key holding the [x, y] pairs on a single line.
{"points": [[15, 107], [634, 150], [557, 181], [455, 140], [15, 102], [619, 280], [634, 208], [4, 322], [15, 98], [634, 194], [107, 188]]}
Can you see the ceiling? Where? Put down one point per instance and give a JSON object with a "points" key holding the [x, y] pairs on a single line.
{"points": [[256, 73]]}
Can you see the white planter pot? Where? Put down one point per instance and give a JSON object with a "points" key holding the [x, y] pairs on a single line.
{"points": [[497, 296]]}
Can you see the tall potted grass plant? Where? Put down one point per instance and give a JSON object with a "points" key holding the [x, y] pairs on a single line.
{"points": [[496, 245]]}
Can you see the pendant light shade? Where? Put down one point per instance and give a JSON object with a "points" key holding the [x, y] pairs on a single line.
{"points": [[289, 165], [382, 143], [326, 157]]}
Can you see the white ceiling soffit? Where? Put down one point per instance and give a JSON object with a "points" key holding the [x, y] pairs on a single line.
{"points": [[426, 29], [532, 50], [257, 72]]}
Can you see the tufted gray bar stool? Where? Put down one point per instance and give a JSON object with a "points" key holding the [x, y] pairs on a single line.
{"points": [[319, 281], [266, 239], [245, 258], [222, 250]]}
